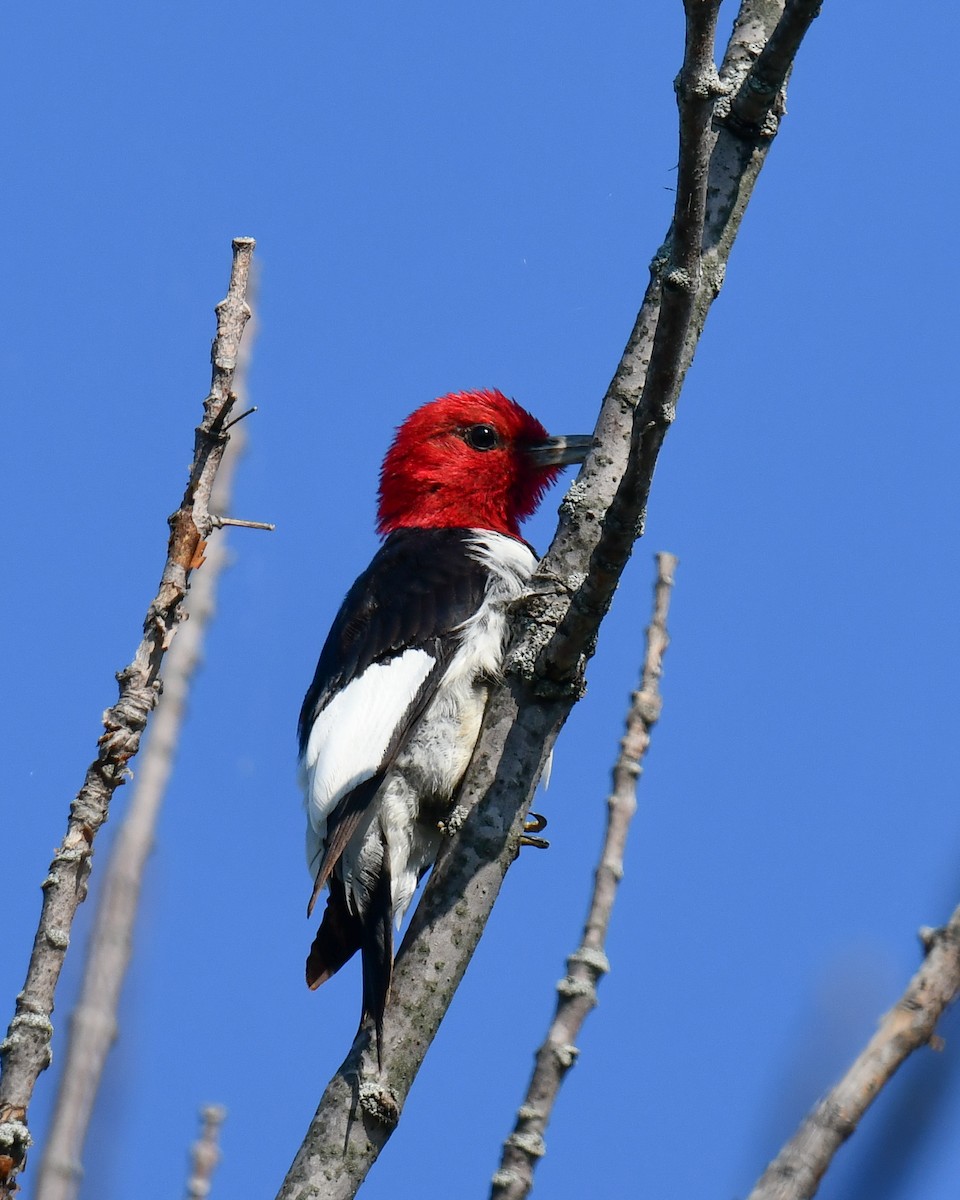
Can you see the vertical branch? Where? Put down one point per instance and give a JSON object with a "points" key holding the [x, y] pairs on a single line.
{"points": [[206, 1152], [26, 1048], [577, 992], [93, 1023]]}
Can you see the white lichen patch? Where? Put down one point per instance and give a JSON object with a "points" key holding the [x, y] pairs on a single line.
{"points": [[567, 1055], [453, 820], [15, 1135], [575, 498], [379, 1102], [29, 1020], [596, 960], [575, 987], [530, 1143]]}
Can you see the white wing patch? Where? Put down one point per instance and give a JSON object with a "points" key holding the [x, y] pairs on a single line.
{"points": [[350, 735]]}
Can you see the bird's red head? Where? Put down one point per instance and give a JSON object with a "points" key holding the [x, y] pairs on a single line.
{"points": [[471, 460]]}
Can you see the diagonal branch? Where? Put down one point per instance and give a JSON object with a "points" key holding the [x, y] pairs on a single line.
{"points": [[555, 627], [93, 1022], [577, 992], [645, 388], [26, 1048], [796, 1172]]}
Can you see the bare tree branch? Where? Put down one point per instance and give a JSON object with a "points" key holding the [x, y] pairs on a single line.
{"points": [[555, 626], [93, 1022], [796, 1172], [26, 1048], [577, 991], [206, 1152], [759, 104]]}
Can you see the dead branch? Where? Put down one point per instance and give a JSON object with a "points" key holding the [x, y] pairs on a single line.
{"points": [[93, 1022], [554, 629], [26, 1048], [796, 1172], [577, 991]]}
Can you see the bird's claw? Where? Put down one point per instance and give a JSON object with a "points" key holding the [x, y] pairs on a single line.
{"points": [[535, 824]]}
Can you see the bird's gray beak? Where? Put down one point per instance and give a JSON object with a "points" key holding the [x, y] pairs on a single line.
{"points": [[560, 451]]}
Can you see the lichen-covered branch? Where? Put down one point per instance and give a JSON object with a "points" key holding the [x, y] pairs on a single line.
{"points": [[556, 625], [796, 1172], [26, 1048], [577, 991], [759, 102], [93, 1022]]}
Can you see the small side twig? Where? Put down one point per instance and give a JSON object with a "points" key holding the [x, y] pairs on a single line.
{"points": [[221, 522], [236, 420], [796, 1172], [26, 1048], [205, 1154], [577, 993]]}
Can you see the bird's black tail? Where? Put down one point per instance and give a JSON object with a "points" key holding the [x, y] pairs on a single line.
{"points": [[339, 937], [376, 952], [342, 933]]}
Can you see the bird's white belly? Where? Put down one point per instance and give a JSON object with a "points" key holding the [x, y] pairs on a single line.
{"points": [[415, 796]]}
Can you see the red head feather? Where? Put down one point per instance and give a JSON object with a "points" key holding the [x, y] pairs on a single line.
{"points": [[465, 460]]}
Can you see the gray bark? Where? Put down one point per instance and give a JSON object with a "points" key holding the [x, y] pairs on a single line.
{"points": [[26, 1048], [555, 627]]}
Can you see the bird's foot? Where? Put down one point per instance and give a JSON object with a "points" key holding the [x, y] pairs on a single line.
{"points": [[536, 824]]}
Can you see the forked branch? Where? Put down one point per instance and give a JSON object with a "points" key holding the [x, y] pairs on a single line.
{"points": [[555, 627]]}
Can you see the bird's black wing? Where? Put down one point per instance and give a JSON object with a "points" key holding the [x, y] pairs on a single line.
{"points": [[421, 585]]}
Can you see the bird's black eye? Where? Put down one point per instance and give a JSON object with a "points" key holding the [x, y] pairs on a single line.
{"points": [[481, 437]]}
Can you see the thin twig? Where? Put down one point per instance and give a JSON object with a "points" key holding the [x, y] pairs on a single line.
{"points": [[236, 420], [570, 591], [93, 1022], [205, 1154], [577, 991], [26, 1048], [223, 522], [796, 1172]]}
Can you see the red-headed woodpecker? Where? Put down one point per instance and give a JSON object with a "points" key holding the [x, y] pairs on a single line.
{"points": [[391, 719]]}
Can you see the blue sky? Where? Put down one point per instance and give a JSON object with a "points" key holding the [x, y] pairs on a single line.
{"points": [[457, 196]]}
